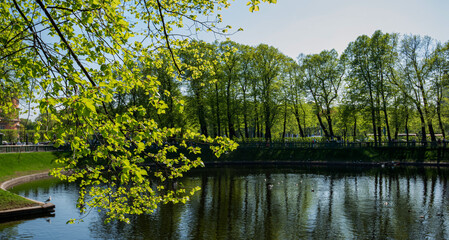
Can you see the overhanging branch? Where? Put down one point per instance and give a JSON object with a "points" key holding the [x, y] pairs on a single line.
{"points": [[58, 31]]}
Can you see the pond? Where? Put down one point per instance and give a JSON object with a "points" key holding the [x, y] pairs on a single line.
{"points": [[266, 203]]}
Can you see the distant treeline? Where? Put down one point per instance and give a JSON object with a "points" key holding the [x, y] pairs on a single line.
{"points": [[382, 88], [14, 136]]}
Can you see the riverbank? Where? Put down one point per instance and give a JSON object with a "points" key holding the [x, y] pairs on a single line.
{"points": [[13, 165], [417, 155], [20, 207]]}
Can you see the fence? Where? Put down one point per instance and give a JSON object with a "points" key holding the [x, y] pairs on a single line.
{"points": [[30, 148], [303, 145], [327, 145]]}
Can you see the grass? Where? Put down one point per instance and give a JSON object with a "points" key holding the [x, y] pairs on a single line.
{"points": [[10, 200], [20, 164]]}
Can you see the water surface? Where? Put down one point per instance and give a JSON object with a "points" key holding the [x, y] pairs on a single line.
{"points": [[266, 203]]}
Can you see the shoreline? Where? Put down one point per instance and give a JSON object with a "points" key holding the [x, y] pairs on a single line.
{"points": [[40, 209], [47, 209], [326, 163]]}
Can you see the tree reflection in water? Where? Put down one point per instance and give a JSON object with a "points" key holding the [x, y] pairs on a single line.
{"points": [[293, 203]]}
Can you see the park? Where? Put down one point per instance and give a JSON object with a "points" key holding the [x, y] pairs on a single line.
{"points": [[146, 128]]}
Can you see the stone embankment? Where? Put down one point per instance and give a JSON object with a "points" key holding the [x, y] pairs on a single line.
{"points": [[41, 209]]}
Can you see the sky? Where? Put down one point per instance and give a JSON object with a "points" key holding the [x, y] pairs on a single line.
{"points": [[310, 26]]}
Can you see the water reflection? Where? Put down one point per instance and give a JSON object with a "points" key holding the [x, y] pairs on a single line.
{"points": [[279, 203]]}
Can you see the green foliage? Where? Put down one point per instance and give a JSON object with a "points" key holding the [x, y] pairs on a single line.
{"points": [[14, 136], [95, 52], [10, 135], [353, 94], [113, 78], [323, 78]]}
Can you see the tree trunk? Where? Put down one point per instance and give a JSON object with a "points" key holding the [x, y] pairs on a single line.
{"points": [[239, 129], [355, 130], [426, 110], [329, 123], [245, 116], [373, 118], [267, 113], [384, 103], [423, 125], [298, 120], [285, 121], [257, 122], [267, 132], [379, 131], [378, 120], [440, 122], [373, 115], [386, 119], [229, 113], [396, 132], [431, 131], [201, 116], [256, 118], [406, 125], [218, 109], [326, 134]]}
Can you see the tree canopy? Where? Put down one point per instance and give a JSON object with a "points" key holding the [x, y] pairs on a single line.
{"points": [[131, 90], [73, 58]]}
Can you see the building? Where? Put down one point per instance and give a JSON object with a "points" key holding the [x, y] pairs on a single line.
{"points": [[12, 121]]}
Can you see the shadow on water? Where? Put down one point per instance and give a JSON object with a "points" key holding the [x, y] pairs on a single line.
{"points": [[274, 203]]}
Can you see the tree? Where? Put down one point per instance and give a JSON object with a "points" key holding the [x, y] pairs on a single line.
{"points": [[169, 92], [93, 52], [267, 67], [384, 57], [440, 80], [324, 76], [295, 79], [246, 76], [199, 55], [417, 63], [363, 80], [231, 72], [349, 110], [371, 61]]}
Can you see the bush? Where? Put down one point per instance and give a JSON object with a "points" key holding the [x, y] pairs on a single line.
{"points": [[10, 135], [13, 136]]}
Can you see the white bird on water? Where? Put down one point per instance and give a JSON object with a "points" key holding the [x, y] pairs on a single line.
{"points": [[48, 200]]}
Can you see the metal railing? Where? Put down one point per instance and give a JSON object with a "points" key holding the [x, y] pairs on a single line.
{"points": [[30, 148], [277, 145], [341, 144]]}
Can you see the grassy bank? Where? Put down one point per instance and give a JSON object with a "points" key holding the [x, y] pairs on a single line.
{"points": [[14, 164], [19, 164], [10, 201], [349, 155]]}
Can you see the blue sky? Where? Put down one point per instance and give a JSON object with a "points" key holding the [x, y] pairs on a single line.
{"points": [[310, 26]]}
